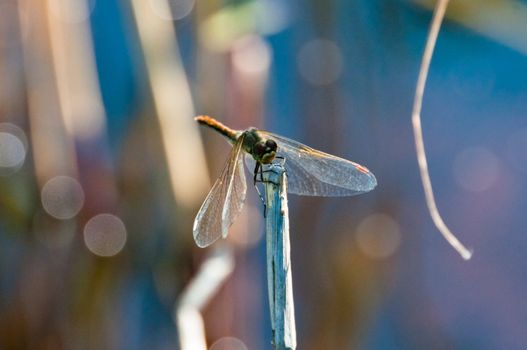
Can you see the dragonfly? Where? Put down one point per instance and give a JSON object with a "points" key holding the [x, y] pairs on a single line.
{"points": [[309, 173]]}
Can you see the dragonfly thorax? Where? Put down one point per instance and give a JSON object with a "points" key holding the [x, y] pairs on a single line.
{"points": [[262, 149]]}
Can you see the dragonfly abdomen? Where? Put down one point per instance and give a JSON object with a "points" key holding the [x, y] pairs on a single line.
{"points": [[216, 125]]}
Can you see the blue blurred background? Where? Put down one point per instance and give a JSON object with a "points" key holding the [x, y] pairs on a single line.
{"points": [[103, 170]]}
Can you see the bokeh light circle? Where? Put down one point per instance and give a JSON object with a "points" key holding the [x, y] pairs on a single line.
{"points": [[251, 55], [105, 235], [378, 236], [476, 169], [228, 343], [12, 151], [320, 62], [273, 16], [172, 10], [62, 197], [13, 148]]}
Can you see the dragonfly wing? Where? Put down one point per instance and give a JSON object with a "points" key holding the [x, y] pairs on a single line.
{"points": [[224, 201], [314, 173], [250, 163]]}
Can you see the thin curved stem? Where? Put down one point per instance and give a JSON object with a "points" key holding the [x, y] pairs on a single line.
{"points": [[437, 19]]}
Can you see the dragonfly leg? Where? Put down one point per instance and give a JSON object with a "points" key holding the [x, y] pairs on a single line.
{"points": [[258, 169]]}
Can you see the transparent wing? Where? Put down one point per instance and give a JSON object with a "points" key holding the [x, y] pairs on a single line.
{"points": [[314, 173], [224, 201]]}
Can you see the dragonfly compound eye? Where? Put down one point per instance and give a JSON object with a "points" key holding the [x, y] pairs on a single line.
{"points": [[259, 149], [264, 152], [271, 145]]}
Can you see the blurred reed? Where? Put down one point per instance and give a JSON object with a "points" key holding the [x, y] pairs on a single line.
{"points": [[173, 102], [53, 148]]}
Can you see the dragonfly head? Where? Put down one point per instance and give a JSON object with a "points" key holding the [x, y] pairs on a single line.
{"points": [[264, 151]]}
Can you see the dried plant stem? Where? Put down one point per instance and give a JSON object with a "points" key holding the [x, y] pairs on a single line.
{"points": [[279, 279], [439, 13]]}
